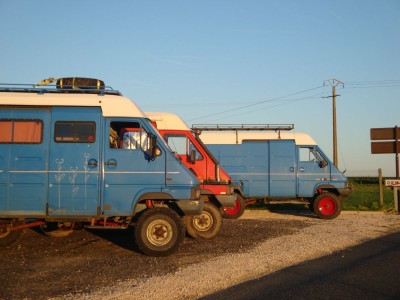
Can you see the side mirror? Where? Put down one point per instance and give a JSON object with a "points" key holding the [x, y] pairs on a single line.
{"points": [[323, 164], [152, 146], [192, 156]]}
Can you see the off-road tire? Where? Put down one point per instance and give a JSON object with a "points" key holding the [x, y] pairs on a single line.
{"points": [[236, 211], [7, 236], [205, 226], [327, 206], [159, 231]]}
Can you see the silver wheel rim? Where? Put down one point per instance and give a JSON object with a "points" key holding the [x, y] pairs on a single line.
{"points": [[204, 222], [159, 233]]}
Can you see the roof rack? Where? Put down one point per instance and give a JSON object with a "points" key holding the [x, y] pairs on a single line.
{"points": [[241, 127], [198, 128], [71, 85]]}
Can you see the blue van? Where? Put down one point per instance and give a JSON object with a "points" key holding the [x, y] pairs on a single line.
{"points": [[270, 163], [66, 163]]}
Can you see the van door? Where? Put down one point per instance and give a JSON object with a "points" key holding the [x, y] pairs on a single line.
{"points": [[181, 144], [128, 171], [282, 160], [74, 164], [312, 171], [24, 137]]}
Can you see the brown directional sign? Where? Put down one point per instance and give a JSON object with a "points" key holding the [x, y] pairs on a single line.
{"points": [[385, 134], [384, 147]]}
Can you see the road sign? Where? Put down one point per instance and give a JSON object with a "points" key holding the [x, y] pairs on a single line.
{"points": [[391, 136], [384, 133], [384, 147], [392, 182]]}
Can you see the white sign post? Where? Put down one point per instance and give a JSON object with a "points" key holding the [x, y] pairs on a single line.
{"points": [[395, 183]]}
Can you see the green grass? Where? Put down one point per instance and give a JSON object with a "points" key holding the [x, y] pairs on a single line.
{"points": [[365, 197]]}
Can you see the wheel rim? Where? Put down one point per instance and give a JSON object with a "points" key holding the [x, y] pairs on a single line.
{"points": [[4, 231], [204, 222], [159, 232], [327, 206], [233, 210]]}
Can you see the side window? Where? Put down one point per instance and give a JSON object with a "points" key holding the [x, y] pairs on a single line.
{"points": [[311, 155], [75, 132], [182, 145], [128, 135], [177, 143], [307, 155], [21, 131]]}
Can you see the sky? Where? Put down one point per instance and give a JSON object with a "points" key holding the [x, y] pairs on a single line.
{"points": [[226, 61]]}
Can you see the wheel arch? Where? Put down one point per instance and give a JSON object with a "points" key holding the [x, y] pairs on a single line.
{"points": [[326, 188], [161, 198]]}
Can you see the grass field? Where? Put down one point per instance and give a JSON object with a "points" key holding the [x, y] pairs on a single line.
{"points": [[365, 197]]}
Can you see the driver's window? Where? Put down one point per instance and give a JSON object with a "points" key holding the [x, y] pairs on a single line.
{"points": [[177, 144], [181, 145], [128, 135], [307, 155]]}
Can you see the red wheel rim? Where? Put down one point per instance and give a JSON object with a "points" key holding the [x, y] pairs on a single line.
{"points": [[327, 206], [233, 210]]}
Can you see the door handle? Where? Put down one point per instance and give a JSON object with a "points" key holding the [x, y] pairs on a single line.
{"points": [[92, 163], [301, 169], [111, 162]]}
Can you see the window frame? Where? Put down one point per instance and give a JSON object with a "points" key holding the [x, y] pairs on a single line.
{"points": [[39, 124]]}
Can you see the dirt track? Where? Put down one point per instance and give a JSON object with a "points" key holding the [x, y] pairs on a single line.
{"points": [[94, 263]]}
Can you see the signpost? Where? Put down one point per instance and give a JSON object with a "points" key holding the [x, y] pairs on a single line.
{"points": [[392, 182], [388, 143], [391, 144]]}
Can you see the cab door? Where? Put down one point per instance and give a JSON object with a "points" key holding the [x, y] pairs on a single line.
{"points": [[312, 171], [128, 170], [74, 163], [189, 153]]}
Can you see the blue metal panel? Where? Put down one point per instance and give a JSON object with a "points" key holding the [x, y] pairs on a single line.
{"points": [[73, 182], [128, 173], [283, 167], [247, 164], [265, 168], [23, 168]]}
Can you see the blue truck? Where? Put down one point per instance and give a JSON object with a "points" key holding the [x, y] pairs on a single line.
{"points": [[273, 163], [66, 162]]}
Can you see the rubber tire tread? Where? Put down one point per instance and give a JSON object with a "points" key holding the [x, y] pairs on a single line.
{"points": [[146, 218], [242, 206], [213, 231], [332, 197]]}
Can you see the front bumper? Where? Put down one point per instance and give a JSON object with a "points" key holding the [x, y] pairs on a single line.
{"points": [[345, 192], [227, 200], [191, 207]]}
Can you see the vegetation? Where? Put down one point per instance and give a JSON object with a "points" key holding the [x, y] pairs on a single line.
{"points": [[365, 197]]}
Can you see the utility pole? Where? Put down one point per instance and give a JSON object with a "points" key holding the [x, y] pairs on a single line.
{"points": [[334, 83]]}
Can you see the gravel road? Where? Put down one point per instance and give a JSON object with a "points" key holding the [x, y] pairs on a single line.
{"points": [[107, 265], [315, 238]]}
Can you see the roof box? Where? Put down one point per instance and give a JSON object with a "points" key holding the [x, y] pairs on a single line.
{"points": [[76, 83]]}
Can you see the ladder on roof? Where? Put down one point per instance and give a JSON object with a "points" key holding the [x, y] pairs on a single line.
{"points": [[241, 127], [198, 128]]}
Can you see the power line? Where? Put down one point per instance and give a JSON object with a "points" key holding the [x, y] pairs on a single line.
{"points": [[257, 103], [315, 96], [373, 84]]}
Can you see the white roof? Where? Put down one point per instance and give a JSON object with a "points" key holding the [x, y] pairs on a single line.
{"points": [[229, 137], [111, 105], [167, 120]]}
